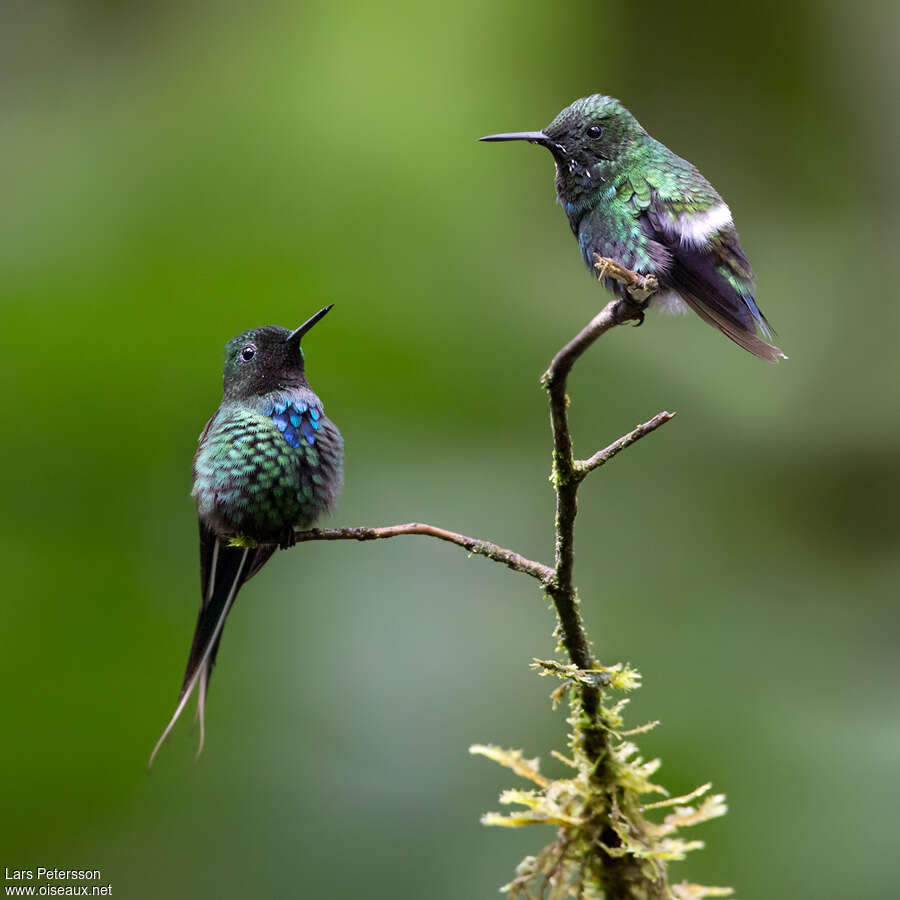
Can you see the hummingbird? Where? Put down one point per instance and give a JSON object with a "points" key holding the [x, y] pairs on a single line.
{"points": [[268, 461], [629, 198]]}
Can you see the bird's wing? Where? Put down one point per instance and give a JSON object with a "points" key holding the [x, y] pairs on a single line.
{"points": [[707, 268], [610, 229]]}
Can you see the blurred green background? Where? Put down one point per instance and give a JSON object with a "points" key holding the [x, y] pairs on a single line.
{"points": [[173, 173]]}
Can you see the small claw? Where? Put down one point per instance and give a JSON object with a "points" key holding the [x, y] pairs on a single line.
{"points": [[629, 310], [288, 539]]}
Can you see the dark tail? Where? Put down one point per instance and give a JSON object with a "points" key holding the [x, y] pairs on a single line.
{"points": [[742, 334], [718, 286], [223, 571]]}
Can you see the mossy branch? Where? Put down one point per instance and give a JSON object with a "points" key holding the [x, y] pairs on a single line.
{"points": [[606, 846]]}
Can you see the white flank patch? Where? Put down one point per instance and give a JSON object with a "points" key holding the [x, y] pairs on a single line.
{"points": [[697, 228], [669, 302]]}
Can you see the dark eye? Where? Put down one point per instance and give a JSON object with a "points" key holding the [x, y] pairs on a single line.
{"points": [[248, 353], [594, 132]]}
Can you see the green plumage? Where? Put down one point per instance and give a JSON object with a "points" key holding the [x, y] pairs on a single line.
{"points": [[250, 482], [268, 462], [631, 199]]}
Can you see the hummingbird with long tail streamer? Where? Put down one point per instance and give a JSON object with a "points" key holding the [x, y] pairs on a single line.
{"points": [[269, 461], [630, 199]]}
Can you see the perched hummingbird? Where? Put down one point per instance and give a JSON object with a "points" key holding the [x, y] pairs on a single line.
{"points": [[268, 461], [631, 199]]}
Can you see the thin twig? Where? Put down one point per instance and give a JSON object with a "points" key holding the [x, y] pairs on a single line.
{"points": [[601, 457], [515, 561]]}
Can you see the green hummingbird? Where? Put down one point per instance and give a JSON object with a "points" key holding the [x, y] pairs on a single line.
{"points": [[631, 199], [268, 461]]}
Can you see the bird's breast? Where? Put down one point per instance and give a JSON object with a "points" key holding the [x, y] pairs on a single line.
{"points": [[259, 471]]}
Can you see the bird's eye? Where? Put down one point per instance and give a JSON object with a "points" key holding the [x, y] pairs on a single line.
{"points": [[594, 132], [248, 353]]}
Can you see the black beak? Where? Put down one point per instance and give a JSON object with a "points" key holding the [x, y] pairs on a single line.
{"points": [[534, 137], [298, 333]]}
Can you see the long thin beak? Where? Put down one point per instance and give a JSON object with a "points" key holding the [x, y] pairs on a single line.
{"points": [[298, 333], [535, 137]]}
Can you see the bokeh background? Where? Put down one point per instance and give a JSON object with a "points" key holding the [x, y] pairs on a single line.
{"points": [[175, 172]]}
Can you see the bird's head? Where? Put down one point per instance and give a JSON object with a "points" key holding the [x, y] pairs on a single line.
{"points": [[589, 139], [265, 359]]}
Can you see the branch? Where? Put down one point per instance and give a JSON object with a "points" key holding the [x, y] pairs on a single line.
{"points": [[566, 474], [562, 592], [603, 839], [515, 561], [604, 843], [601, 457]]}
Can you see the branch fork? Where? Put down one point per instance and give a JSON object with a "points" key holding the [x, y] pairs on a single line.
{"points": [[568, 472], [621, 868]]}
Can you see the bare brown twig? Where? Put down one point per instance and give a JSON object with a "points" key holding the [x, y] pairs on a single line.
{"points": [[515, 561], [601, 457]]}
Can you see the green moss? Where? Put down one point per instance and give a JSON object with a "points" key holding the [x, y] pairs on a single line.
{"points": [[606, 845]]}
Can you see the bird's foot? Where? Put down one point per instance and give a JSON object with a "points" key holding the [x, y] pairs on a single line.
{"points": [[610, 268], [288, 538], [628, 310], [638, 287]]}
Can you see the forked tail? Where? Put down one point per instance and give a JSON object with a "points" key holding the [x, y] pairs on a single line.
{"points": [[223, 571]]}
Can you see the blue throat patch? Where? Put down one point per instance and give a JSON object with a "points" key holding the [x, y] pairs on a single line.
{"points": [[297, 421]]}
